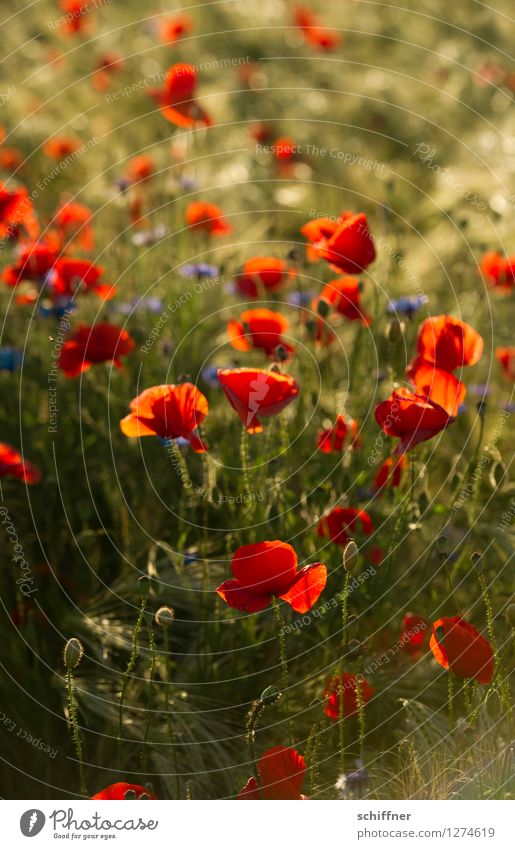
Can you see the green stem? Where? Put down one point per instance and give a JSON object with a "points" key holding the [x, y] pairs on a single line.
{"points": [[361, 718], [284, 665], [171, 734], [126, 674], [150, 699], [75, 731], [450, 697], [489, 614]]}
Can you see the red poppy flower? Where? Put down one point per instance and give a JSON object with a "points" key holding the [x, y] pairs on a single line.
{"points": [[266, 569], [77, 20], [335, 525], [174, 28], [259, 328], [391, 472], [122, 790], [98, 344], [350, 247], [332, 440], [319, 330], [499, 271], [13, 465], [176, 99], [201, 215], [448, 343], [285, 149], [281, 776], [105, 69], [411, 417], [60, 147], [11, 158], [440, 386], [73, 223], [70, 275], [16, 213], [35, 259], [168, 411], [341, 693], [458, 646], [344, 296], [254, 392], [140, 168], [506, 357], [415, 634], [263, 274], [314, 34]]}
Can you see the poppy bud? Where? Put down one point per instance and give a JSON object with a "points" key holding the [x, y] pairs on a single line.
{"points": [[323, 308], [355, 649], [395, 331], [475, 558], [481, 408], [294, 255], [350, 555], [281, 353], [165, 616], [510, 614], [73, 652], [270, 695], [145, 584]]}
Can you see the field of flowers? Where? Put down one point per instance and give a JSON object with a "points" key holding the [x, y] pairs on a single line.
{"points": [[256, 369]]}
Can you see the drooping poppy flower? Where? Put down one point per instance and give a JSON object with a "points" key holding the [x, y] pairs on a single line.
{"points": [[263, 273], [60, 147], [335, 525], [350, 247], [17, 213], [71, 275], [499, 271], [100, 343], [390, 473], [256, 393], [344, 295], [122, 790], [169, 411], [281, 775], [414, 634], [411, 417], [314, 34], [173, 28], [176, 98], [260, 328], [438, 385], [73, 223], [341, 695], [13, 465], [332, 440], [34, 261], [448, 343], [506, 357], [201, 215], [266, 569], [458, 646], [140, 168]]}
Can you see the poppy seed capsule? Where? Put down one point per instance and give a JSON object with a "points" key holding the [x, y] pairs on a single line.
{"points": [[350, 555], [73, 652], [165, 616], [145, 584]]}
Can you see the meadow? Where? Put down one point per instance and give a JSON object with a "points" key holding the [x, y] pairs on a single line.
{"points": [[293, 223]]}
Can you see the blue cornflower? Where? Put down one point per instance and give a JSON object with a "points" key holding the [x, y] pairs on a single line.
{"points": [[199, 269], [407, 305], [10, 359]]}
